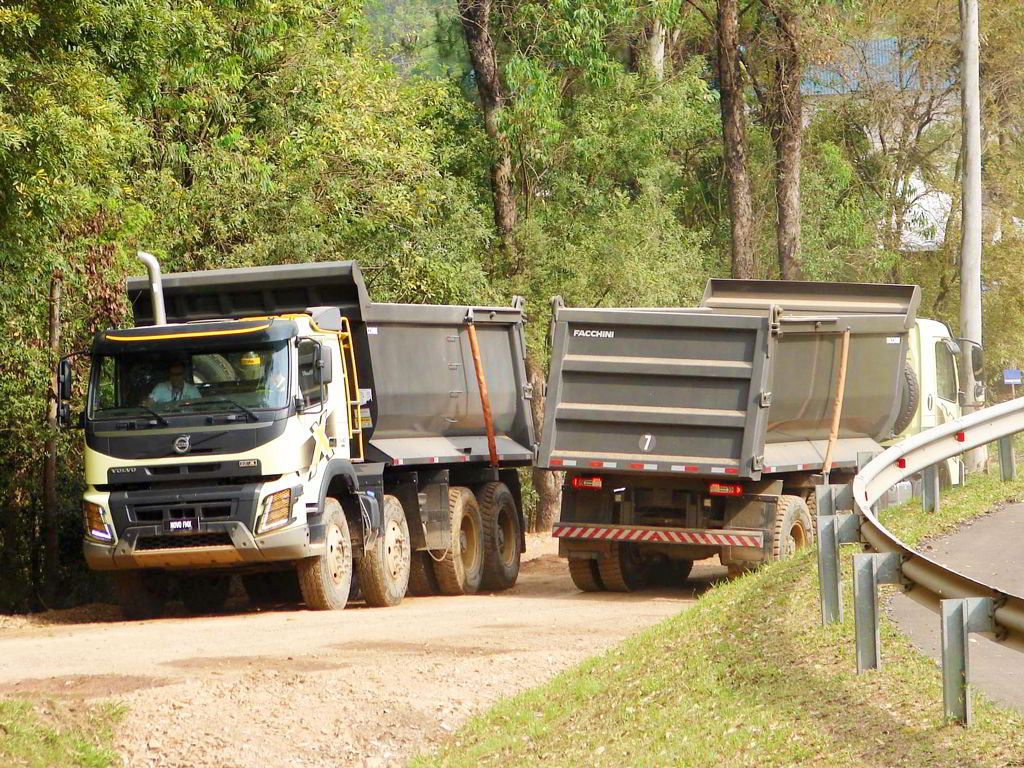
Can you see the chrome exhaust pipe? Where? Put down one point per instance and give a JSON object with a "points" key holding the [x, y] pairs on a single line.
{"points": [[155, 287]]}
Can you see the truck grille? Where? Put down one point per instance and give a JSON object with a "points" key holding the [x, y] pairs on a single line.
{"points": [[179, 541], [213, 509]]}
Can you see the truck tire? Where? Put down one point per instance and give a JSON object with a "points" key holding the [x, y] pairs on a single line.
{"points": [[792, 527], [910, 398], [623, 570], [500, 520], [204, 594], [325, 580], [585, 576], [812, 510], [460, 571], [422, 581], [384, 570], [683, 569], [139, 597]]}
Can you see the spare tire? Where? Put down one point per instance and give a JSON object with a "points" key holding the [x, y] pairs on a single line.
{"points": [[910, 398]]}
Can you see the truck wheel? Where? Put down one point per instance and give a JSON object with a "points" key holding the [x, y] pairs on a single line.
{"points": [[325, 580], [500, 520], [384, 571], [422, 581], [682, 569], [623, 570], [138, 595], [584, 575], [460, 570], [812, 510], [204, 594], [792, 527], [910, 397]]}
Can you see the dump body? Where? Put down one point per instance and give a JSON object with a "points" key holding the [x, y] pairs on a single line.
{"points": [[743, 385], [420, 399]]}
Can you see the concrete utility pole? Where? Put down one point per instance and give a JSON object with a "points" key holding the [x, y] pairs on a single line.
{"points": [[970, 237]]}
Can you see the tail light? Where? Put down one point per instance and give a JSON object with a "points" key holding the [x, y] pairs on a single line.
{"points": [[587, 483], [725, 489]]}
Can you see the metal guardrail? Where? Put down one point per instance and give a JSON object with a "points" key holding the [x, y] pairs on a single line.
{"points": [[965, 604]]}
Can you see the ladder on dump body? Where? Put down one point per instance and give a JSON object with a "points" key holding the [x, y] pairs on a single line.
{"points": [[348, 362]]}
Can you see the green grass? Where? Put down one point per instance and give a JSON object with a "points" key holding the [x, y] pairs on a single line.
{"points": [[749, 677], [56, 734]]}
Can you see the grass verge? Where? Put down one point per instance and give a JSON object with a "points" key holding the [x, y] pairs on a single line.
{"points": [[52, 733], [749, 677]]}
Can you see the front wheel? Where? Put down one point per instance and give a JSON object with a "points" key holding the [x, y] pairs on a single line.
{"points": [[325, 581], [384, 573]]}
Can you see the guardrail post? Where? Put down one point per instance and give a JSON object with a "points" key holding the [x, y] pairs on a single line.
{"points": [[833, 530], [930, 489], [960, 617], [870, 570], [1007, 463]]}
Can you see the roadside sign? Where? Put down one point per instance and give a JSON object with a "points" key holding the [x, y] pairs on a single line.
{"points": [[1011, 376]]}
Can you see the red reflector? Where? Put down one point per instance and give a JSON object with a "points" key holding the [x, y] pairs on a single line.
{"points": [[901, 463], [725, 489], [960, 437], [731, 471], [556, 462], [590, 483], [596, 463], [690, 468]]}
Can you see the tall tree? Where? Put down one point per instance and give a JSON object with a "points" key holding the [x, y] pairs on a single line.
{"points": [[734, 138], [475, 18], [784, 110]]}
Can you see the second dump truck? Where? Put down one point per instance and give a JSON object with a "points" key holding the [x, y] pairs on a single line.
{"points": [[686, 433], [276, 424]]}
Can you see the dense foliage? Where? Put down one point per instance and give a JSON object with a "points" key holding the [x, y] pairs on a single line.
{"points": [[243, 132]]}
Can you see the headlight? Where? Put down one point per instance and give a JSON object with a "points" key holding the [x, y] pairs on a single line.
{"points": [[277, 510], [95, 526]]}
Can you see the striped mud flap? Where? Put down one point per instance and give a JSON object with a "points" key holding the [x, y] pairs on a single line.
{"points": [[646, 535]]}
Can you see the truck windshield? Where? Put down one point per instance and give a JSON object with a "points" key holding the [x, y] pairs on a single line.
{"points": [[189, 381]]}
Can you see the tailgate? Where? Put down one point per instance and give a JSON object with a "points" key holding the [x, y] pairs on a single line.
{"points": [[667, 391]]}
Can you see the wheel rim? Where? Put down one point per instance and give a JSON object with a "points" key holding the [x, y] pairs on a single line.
{"points": [[394, 548], [336, 554], [506, 537], [796, 540], [469, 546]]}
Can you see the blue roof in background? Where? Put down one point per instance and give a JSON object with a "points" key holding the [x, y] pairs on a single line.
{"points": [[868, 64]]}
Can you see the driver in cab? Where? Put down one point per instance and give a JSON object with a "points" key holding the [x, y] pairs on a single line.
{"points": [[175, 389]]}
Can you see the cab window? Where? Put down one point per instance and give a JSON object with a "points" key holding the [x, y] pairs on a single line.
{"points": [[945, 372], [309, 373]]}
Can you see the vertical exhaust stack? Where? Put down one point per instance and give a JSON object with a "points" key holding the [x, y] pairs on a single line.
{"points": [[155, 287]]}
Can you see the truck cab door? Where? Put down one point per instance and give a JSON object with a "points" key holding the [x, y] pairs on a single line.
{"points": [[947, 393]]}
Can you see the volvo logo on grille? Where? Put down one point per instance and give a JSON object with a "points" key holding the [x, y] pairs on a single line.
{"points": [[182, 443]]}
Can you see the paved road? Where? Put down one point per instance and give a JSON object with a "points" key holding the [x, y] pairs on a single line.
{"points": [[990, 550]]}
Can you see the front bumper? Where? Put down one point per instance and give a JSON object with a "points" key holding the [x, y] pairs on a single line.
{"points": [[218, 545]]}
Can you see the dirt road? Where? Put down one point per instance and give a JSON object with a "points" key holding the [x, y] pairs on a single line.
{"points": [[360, 687], [989, 549]]}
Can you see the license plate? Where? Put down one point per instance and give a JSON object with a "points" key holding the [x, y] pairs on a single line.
{"points": [[187, 525]]}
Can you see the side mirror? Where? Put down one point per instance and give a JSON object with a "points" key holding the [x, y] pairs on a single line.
{"points": [[961, 398], [325, 363], [64, 379], [977, 360], [64, 415]]}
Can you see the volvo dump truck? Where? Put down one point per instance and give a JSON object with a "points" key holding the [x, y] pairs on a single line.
{"points": [[686, 433], [277, 424]]}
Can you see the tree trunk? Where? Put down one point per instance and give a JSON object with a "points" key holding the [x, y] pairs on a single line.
{"points": [[656, 50], [547, 484], [475, 16], [734, 140], [50, 557], [787, 136]]}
